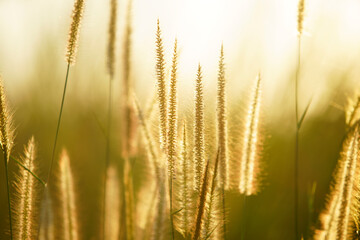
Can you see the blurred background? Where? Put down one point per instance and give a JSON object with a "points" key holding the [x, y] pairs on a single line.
{"points": [[258, 36]]}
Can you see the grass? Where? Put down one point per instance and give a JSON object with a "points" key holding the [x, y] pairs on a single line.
{"points": [[177, 171]]}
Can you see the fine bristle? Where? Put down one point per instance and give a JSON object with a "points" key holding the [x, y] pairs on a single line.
{"points": [[112, 38], [6, 132], [251, 144], [199, 131], [74, 31], [26, 217], [300, 17], [161, 87], [222, 122], [68, 200]]}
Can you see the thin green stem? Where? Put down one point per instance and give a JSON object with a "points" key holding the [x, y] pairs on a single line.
{"points": [[296, 163], [58, 124], [107, 153], [8, 192], [22, 165], [27, 169], [171, 206]]}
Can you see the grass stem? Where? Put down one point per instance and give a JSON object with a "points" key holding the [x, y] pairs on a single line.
{"points": [[296, 163], [8, 192], [58, 124]]}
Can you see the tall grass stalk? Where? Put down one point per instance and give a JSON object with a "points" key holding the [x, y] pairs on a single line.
{"points": [[128, 112], [6, 139], [172, 133], [300, 20], [72, 46], [110, 68]]}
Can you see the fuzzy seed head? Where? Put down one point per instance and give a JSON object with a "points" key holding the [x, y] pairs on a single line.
{"points": [[222, 122], [6, 132], [161, 87], [112, 38], [341, 211], [27, 193], [69, 213], [300, 17], [251, 144], [74, 31], [199, 131], [172, 116]]}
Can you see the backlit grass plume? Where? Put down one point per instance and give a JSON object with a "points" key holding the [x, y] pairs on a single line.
{"points": [[251, 144], [26, 217], [222, 122], [74, 31], [112, 207], [6, 130], [199, 130], [172, 115], [161, 87], [341, 212], [6, 140], [68, 199]]}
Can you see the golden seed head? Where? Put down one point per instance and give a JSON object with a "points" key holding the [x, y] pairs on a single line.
{"points": [[300, 17], [74, 31], [112, 38], [251, 144], [199, 130], [222, 121], [172, 115], [68, 200], [161, 87], [6, 132], [27, 193]]}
